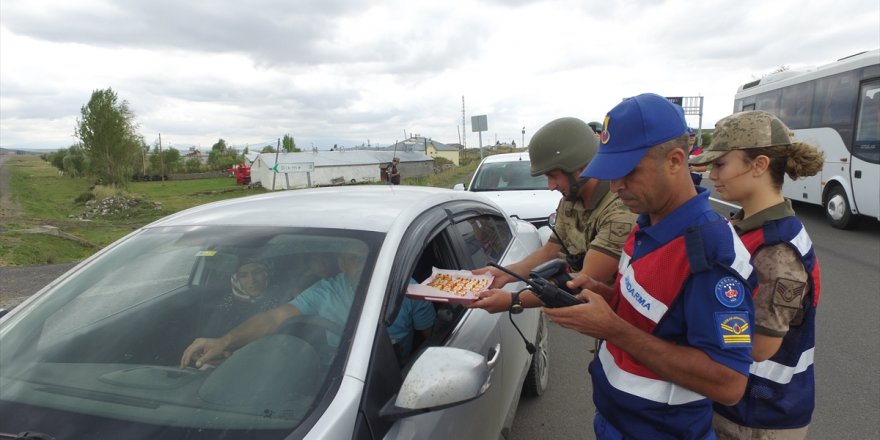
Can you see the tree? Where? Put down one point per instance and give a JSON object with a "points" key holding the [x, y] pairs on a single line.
{"points": [[164, 162], [109, 138], [193, 165], [288, 144], [268, 149]]}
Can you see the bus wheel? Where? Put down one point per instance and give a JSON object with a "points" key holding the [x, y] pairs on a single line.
{"points": [[837, 209]]}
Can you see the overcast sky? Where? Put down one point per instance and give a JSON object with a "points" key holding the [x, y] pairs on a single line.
{"points": [[349, 72]]}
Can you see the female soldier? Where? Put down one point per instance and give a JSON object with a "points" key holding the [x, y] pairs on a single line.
{"points": [[749, 155]]}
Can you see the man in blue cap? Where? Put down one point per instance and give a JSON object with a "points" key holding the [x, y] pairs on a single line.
{"points": [[676, 326]]}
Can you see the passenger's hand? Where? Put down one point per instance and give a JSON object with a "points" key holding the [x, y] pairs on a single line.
{"points": [[493, 301], [204, 350], [595, 318], [580, 281], [500, 279]]}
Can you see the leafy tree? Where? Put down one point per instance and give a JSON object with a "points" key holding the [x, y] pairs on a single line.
{"points": [[74, 162], [268, 149], [192, 165], [165, 162], [222, 157], [56, 158], [219, 146], [288, 144], [109, 138]]}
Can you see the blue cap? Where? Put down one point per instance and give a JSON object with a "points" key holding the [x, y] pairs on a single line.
{"points": [[630, 129], [691, 132]]}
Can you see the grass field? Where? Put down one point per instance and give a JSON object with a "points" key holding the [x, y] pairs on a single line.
{"points": [[45, 198]]}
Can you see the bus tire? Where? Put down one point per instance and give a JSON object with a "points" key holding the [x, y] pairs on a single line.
{"points": [[838, 210]]}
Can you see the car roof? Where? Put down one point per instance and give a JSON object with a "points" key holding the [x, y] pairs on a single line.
{"points": [[367, 207], [507, 157]]}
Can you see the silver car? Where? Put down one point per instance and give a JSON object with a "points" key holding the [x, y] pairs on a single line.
{"points": [[97, 353]]}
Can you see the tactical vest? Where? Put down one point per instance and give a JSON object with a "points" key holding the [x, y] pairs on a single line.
{"points": [[781, 391], [647, 289]]}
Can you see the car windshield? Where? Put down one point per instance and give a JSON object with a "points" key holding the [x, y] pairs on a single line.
{"points": [[507, 176], [102, 350]]}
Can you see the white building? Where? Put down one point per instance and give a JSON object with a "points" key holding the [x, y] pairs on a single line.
{"points": [[334, 167]]}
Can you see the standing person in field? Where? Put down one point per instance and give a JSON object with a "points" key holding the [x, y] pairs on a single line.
{"points": [[676, 326], [393, 172], [748, 158]]}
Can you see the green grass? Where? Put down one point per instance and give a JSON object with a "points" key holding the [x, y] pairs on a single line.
{"points": [[46, 198]]}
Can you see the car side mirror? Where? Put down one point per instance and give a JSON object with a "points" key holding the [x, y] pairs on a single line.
{"points": [[441, 377], [458, 187]]}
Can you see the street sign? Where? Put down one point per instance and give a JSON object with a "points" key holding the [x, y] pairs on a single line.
{"points": [[479, 123], [297, 167]]}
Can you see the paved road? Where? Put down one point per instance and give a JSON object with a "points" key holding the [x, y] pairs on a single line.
{"points": [[847, 356]]}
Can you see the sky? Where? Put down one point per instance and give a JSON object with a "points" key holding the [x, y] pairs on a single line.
{"points": [[356, 72]]}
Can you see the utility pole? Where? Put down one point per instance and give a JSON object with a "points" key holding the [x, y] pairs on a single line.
{"points": [[463, 125], [161, 162]]}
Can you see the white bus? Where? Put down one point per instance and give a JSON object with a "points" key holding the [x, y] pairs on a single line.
{"points": [[837, 108]]}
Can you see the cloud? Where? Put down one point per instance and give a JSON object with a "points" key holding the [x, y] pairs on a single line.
{"points": [[342, 72]]}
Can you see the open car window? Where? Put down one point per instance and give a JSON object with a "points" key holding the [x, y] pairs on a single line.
{"points": [[106, 343]]}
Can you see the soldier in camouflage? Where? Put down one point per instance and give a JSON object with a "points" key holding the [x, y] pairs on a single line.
{"points": [[748, 157], [591, 222]]}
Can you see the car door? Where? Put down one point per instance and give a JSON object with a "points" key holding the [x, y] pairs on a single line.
{"points": [[433, 240]]}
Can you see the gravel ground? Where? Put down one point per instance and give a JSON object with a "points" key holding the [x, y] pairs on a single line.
{"points": [[18, 283]]}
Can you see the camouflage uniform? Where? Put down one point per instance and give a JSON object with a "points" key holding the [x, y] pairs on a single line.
{"points": [[779, 303], [602, 226]]}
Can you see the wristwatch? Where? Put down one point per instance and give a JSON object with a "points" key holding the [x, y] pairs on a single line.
{"points": [[515, 304]]}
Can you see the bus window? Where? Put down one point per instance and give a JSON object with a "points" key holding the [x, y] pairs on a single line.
{"points": [[797, 105], [835, 100], [768, 102], [867, 145]]}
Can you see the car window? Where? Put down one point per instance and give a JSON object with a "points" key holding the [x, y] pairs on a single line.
{"points": [[107, 342], [485, 238], [507, 176]]}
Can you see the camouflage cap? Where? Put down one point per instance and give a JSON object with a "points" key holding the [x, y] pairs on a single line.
{"points": [[751, 129]]}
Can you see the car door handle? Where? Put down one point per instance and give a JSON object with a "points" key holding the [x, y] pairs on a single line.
{"points": [[495, 356]]}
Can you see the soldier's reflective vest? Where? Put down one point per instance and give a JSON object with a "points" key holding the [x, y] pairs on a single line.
{"points": [[781, 390]]}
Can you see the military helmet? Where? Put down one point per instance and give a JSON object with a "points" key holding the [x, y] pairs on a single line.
{"points": [[596, 126], [565, 143]]}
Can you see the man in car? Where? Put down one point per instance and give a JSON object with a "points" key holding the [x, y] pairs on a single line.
{"points": [[330, 298], [676, 327], [591, 222]]}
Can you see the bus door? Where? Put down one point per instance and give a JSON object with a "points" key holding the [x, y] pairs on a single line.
{"points": [[865, 167]]}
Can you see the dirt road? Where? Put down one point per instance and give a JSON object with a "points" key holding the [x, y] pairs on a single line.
{"points": [[17, 283]]}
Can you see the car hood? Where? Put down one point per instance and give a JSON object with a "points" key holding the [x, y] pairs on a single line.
{"points": [[528, 204]]}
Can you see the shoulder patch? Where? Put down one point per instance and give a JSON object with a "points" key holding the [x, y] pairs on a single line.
{"points": [[733, 329], [730, 292], [620, 229], [788, 293]]}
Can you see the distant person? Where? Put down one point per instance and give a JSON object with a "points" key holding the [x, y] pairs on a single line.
{"points": [[393, 172], [694, 149], [749, 157]]}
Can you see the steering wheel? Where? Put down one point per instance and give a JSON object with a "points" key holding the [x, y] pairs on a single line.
{"points": [[313, 329]]}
